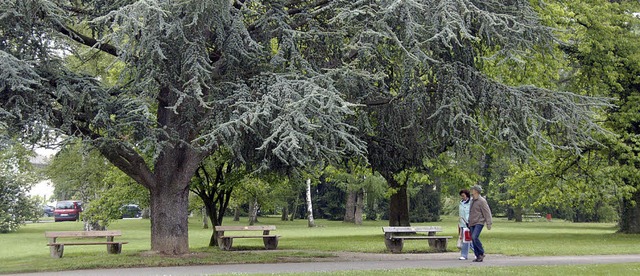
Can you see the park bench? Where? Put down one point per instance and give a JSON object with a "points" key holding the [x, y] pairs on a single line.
{"points": [[225, 241], [394, 237], [532, 215], [57, 248]]}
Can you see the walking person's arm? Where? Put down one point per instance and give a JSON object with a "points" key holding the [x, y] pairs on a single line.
{"points": [[486, 213]]}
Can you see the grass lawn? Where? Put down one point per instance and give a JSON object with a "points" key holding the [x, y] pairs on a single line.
{"points": [[562, 270], [26, 249]]}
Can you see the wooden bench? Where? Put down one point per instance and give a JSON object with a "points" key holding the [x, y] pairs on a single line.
{"points": [[532, 215], [394, 237], [225, 241], [57, 248]]}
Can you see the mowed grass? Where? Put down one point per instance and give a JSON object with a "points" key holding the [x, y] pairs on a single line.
{"points": [[560, 270], [26, 249]]}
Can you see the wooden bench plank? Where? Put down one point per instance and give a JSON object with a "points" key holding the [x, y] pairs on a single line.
{"points": [[246, 228], [421, 237], [84, 243], [396, 229], [256, 236], [82, 234]]}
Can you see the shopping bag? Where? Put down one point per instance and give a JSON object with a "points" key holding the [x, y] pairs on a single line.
{"points": [[466, 235], [459, 244]]}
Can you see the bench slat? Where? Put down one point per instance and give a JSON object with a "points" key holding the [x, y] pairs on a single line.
{"points": [[82, 234], [257, 236], [412, 229], [84, 243], [246, 228], [420, 237]]}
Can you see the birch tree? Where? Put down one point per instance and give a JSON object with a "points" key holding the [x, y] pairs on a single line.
{"points": [[310, 220]]}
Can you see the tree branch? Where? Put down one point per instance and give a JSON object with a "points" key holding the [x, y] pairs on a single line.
{"points": [[87, 40]]}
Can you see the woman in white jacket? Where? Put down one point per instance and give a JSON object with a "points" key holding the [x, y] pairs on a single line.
{"points": [[463, 210]]}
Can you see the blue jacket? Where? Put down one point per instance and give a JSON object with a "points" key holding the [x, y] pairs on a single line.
{"points": [[463, 210]]}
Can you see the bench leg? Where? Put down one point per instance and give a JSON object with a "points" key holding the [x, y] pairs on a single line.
{"points": [[56, 251], [115, 248], [270, 243], [431, 242], [394, 245], [439, 245], [225, 243]]}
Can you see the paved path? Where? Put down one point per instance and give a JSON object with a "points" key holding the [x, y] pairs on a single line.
{"points": [[356, 262]]}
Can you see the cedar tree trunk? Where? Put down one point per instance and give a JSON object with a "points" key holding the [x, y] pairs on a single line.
{"points": [[169, 214], [398, 203]]}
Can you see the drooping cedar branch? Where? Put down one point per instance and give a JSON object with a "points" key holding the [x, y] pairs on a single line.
{"points": [[87, 40]]}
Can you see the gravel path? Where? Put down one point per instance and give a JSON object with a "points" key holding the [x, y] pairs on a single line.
{"points": [[356, 261]]}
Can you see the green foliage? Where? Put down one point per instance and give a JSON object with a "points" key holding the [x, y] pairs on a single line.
{"points": [[349, 178], [82, 173], [587, 187], [16, 179], [328, 200], [455, 171]]}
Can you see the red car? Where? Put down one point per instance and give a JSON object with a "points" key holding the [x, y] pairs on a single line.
{"points": [[67, 210]]}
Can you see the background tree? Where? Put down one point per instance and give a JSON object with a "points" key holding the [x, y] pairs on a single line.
{"points": [[360, 187], [601, 43], [424, 90], [16, 179], [214, 183], [81, 173]]}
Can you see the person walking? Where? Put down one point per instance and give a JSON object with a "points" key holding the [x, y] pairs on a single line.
{"points": [[463, 210], [479, 216]]}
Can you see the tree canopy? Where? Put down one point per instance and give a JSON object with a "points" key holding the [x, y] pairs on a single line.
{"points": [[276, 82]]}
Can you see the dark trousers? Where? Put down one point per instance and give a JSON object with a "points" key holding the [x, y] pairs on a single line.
{"points": [[475, 239]]}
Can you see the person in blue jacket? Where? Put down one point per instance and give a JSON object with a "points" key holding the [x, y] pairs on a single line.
{"points": [[463, 210]]}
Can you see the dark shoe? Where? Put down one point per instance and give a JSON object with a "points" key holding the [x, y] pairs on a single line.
{"points": [[481, 257], [478, 260]]}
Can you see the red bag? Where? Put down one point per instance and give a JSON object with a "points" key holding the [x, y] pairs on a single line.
{"points": [[466, 235]]}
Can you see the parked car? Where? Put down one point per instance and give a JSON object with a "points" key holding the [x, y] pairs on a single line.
{"points": [[68, 210], [131, 211], [47, 210]]}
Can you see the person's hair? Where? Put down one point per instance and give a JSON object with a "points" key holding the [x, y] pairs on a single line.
{"points": [[466, 192]]}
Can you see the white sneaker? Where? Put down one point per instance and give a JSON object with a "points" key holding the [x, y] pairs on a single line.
{"points": [[462, 258]]}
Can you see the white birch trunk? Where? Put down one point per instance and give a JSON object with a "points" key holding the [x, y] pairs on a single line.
{"points": [[309, 205]]}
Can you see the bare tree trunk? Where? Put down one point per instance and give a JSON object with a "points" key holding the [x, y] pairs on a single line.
{"points": [[146, 213], [312, 223], [350, 207], [295, 208], [253, 212], [517, 213], [285, 213], [205, 218], [236, 213], [359, 207]]}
